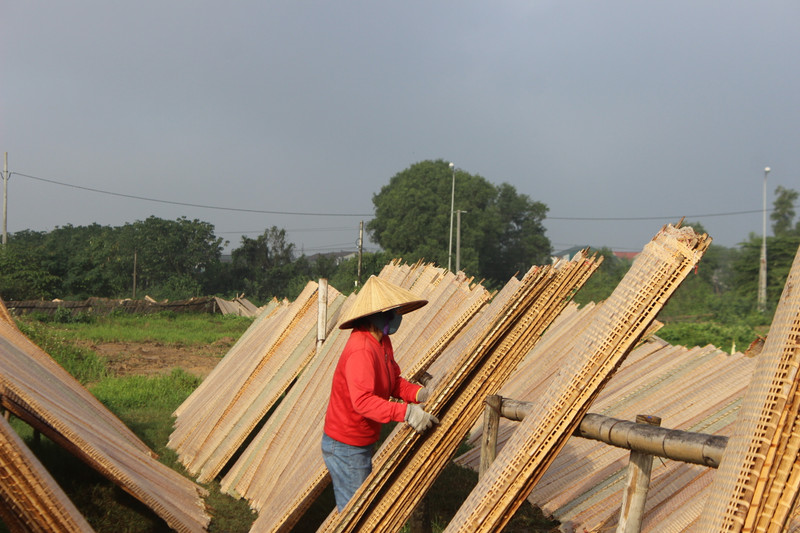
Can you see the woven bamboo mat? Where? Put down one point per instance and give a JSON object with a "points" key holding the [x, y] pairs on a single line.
{"points": [[288, 446], [600, 349], [237, 355], [407, 463], [793, 523], [213, 423], [32, 498], [37, 390], [756, 486]]}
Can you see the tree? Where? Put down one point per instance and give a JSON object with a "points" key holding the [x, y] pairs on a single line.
{"points": [[346, 275], [515, 239], [605, 279], [501, 231], [265, 264], [22, 277], [79, 257], [783, 212], [172, 256]]}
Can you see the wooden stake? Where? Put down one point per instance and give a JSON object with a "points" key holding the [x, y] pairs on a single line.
{"points": [[635, 495], [491, 421], [322, 312]]}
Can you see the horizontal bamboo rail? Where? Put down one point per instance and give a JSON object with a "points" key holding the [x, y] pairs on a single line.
{"points": [[644, 438], [696, 448]]}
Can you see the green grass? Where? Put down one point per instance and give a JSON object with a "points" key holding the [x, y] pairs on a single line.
{"points": [[83, 364], [167, 328], [152, 392]]}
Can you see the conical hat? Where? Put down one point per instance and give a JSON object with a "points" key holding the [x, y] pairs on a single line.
{"points": [[378, 295]]}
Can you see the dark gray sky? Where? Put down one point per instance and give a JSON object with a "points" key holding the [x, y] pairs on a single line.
{"points": [[631, 114]]}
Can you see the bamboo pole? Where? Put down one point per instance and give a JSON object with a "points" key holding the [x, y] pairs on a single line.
{"points": [[634, 497], [322, 312], [695, 448]]}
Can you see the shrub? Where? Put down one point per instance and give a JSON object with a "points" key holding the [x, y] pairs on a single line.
{"points": [[722, 336]]}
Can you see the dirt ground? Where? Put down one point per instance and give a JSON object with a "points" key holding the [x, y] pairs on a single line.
{"points": [[149, 358]]}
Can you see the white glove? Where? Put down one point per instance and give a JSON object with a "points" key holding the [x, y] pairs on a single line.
{"points": [[418, 419], [423, 394]]}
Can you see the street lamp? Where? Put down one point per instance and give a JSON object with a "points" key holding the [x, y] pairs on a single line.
{"points": [[762, 270], [458, 239], [452, 203]]}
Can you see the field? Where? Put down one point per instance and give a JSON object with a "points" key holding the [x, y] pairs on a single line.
{"points": [[142, 368]]}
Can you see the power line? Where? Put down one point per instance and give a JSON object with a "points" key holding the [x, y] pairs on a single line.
{"points": [[186, 204], [268, 212], [665, 217], [245, 232]]}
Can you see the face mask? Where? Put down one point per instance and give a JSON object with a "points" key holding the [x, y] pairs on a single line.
{"points": [[393, 323], [387, 322]]}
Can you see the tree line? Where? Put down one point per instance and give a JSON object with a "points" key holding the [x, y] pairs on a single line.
{"points": [[503, 235], [164, 259], [177, 259]]}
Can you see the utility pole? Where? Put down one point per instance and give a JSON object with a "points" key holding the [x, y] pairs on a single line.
{"points": [[360, 250], [5, 199], [134, 274], [762, 270]]}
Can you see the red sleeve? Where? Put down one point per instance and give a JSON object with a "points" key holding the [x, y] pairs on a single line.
{"points": [[361, 382], [403, 389]]}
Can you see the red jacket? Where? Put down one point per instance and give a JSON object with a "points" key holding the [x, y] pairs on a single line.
{"points": [[364, 379]]}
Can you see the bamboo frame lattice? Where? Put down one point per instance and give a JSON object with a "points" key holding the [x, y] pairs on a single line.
{"points": [[407, 463], [758, 482], [30, 499], [614, 330], [37, 390]]}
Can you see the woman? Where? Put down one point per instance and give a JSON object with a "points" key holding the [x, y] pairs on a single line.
{"points": [[366, 376]]}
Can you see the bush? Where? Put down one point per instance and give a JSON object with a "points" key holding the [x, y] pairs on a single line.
{"points": [[722, 336], [64, 315]]}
